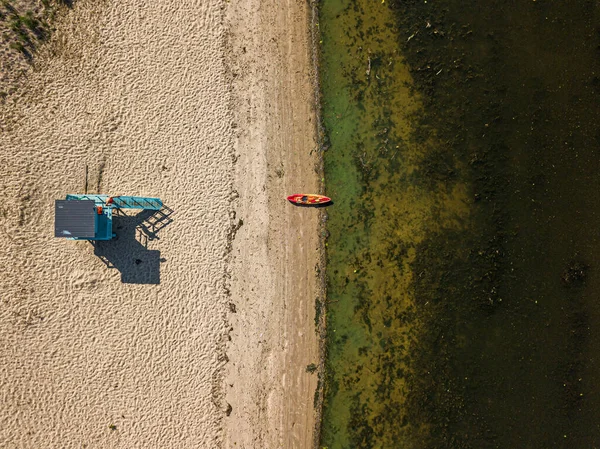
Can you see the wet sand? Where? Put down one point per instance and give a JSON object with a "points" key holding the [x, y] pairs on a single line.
{"points": [[199, 330], [274, 282]]}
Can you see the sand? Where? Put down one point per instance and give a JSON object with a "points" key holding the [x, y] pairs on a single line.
{"points": [[197, 333], [276, 251]]}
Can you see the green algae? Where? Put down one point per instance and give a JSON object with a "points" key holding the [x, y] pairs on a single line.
{"points": [[462, 160], [384, 208]]}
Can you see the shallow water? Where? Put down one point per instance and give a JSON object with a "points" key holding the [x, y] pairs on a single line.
{"points": [[463, 162]]}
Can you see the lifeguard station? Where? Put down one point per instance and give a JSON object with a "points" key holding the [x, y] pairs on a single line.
{"points": [[89, 217]]}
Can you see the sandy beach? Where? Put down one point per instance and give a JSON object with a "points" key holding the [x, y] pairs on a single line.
{"points": [[276, 252], [195, 332]]}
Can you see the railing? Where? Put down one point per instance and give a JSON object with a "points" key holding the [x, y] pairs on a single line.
{"points": [[121, 202]]}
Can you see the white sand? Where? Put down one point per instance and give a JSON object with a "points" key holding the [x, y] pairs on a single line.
{"points": [[135, 356]]}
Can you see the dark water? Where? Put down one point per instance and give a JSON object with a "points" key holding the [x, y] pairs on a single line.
{"points": [[464, 161]]}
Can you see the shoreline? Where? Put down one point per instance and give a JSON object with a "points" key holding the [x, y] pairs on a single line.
{"points": [[321, 306], [277, 250]]}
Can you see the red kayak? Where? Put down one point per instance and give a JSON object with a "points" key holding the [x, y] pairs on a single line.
{"points": [[308, 198]]}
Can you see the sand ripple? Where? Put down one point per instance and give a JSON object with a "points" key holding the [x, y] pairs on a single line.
{"points": [[125, 357]]}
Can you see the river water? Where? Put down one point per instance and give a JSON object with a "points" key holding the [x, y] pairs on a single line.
{"points": [[463, 158]]}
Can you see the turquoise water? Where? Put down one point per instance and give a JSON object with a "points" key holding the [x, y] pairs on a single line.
{"points": [[463, 160]]}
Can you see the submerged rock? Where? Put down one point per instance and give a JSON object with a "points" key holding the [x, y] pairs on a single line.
{"points": [[574, 273]]}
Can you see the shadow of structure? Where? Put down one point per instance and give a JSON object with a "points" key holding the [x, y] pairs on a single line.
{"points": [[128, 252]]}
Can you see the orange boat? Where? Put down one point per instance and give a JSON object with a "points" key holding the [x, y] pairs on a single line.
{"points": [[308, 198]]}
